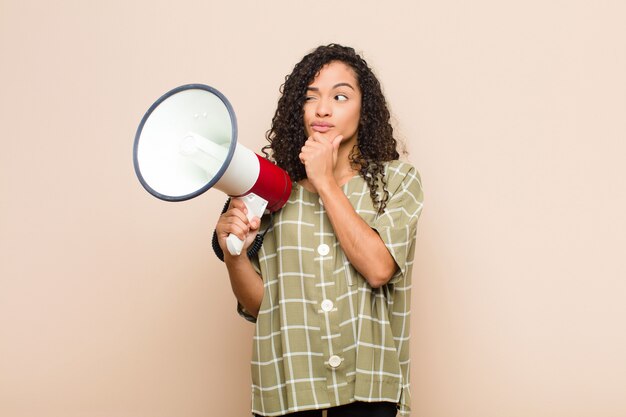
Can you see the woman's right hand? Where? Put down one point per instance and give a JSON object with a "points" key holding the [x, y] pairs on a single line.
{"points": [[234, 221]]}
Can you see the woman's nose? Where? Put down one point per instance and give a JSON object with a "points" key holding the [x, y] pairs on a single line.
{"points": [[323, 109]]}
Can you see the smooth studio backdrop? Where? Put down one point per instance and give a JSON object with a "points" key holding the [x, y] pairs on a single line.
{"points": [[112, 303]]}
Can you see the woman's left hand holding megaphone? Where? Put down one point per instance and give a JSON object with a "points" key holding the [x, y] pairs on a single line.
{"points": [[235, 221]]}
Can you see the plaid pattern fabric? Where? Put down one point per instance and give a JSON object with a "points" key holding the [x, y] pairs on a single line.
{"points": [[323, 336]]}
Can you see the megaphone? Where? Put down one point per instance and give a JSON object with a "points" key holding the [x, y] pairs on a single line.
{"points": [[186, 144]]}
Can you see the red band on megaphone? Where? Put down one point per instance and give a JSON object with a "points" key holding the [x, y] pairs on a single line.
{"points": [[273, 184]]}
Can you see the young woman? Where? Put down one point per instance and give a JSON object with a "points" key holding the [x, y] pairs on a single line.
{"points": [[329, 289]]}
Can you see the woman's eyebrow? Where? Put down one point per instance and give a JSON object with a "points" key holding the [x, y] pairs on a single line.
{"points": [[342, 85], [335, 86]]}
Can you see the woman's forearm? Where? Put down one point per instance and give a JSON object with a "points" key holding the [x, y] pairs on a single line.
{"points": [[363, 247], [247, 285]]}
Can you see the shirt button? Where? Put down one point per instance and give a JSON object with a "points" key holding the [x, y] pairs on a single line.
{"points": [[323, 249], [327, 305], [334, 361]]}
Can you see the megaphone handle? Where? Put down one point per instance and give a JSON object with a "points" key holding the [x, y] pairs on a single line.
{"points": [[256, 206]]}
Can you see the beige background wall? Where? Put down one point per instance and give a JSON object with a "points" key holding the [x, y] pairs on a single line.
{"points": [[111, 302]]}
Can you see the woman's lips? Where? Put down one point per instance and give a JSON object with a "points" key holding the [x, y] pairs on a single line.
{"points": [[321, 127]]}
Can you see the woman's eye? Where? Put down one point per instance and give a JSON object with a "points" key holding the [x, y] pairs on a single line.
{"points": [[341, 97], [309, 98]]}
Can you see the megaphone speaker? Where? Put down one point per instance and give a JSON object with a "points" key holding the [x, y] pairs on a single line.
{"points": [[186, 144]]}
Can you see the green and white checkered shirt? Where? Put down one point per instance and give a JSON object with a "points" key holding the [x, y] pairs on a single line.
{"points": [[323, 336]]}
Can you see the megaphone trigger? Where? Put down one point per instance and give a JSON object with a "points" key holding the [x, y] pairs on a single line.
{"points": [[256, 207]]}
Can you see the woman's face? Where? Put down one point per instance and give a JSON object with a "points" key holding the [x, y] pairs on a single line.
{"points": [[333, 103]]}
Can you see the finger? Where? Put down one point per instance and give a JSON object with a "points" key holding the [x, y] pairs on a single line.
{"points": [[227, 220], [337, 141], [237, 213], [310, 143], [308, 149], [312, 146], [236, 228], [255, 223], [239, 204], [307, 155], [232, 224], [318, 137]]}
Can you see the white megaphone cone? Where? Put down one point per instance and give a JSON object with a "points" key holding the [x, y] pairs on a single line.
{"points": [[187, 143]]}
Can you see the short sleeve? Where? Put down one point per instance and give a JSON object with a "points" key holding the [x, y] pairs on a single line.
{"points": [[397, 225]]}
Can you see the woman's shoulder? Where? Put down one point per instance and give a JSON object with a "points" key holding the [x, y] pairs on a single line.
{"points": [[398, 171]]}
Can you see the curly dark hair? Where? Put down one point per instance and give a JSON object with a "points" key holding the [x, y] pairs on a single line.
{"points": [[375, 141]]}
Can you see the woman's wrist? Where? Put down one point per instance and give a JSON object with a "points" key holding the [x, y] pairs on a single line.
{"points": [[235, 261], [327, 188]]}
